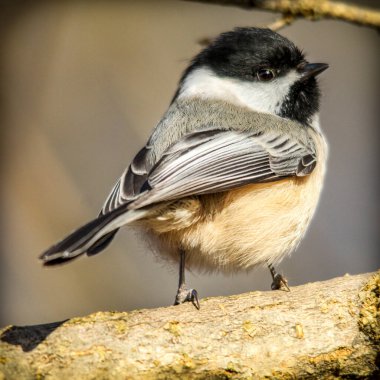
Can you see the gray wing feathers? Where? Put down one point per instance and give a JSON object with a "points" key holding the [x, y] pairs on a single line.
{"points": [[214, 161], [209, 167], [211, 160], [127, 188]]}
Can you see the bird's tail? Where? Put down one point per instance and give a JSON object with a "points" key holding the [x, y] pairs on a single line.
{"points": [[92, 237]]}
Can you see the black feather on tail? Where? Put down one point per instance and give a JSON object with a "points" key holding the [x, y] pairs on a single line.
{"points": [[102, 243], [79, 241]]}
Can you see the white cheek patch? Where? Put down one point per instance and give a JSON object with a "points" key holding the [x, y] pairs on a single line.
{"points": [[315, 123], [258, 96]]}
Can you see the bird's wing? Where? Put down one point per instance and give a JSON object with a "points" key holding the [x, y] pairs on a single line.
{"points": [[213, 160], [128, 187], [202, 162]]}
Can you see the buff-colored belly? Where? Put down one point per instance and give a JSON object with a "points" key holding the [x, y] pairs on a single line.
{"points": [[254, 224]]}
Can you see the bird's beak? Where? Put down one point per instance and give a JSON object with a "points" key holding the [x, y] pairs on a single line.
{"points": [[310, 70]]}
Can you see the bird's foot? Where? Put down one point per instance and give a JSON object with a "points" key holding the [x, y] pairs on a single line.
{"points": [[187, 295], [279, 281]]}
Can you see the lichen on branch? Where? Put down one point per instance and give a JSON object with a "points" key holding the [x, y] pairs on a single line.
{"points": [[318, 330]]}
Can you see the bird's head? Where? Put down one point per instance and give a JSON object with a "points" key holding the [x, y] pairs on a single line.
{"points": [[256, 68]]}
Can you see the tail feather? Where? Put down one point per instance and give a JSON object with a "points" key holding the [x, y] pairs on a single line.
{"points": [[102, 243], [92, 237], [58, 260]]}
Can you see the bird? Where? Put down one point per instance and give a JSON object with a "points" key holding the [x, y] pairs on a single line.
{"points": [[231, 175]]}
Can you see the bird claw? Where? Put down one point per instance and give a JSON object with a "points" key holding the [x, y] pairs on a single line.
{"points": [[187, 295], [280, 283]]}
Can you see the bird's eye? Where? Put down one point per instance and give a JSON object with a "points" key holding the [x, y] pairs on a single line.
{"points": [[265, 75]]}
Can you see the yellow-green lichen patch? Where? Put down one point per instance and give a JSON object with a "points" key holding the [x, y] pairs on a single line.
{"points": [[332, 357], [369, 317], [39, 376], [100, 316], [120, 327], [330, 362], [342, 363], [173, 327], [327, 305], [299, 331], [101, 352], [249, 328], [187, 362], [232, 368], [182, 368]]}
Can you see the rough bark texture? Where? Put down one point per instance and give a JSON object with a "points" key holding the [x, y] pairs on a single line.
{"points": [[327, 329]]}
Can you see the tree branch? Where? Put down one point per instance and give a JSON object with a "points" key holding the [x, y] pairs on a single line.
{"points": [[281, 22], [319, 330], [310, 9]]}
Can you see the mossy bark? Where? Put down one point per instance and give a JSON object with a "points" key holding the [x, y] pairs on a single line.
{"points": [[326, 329]]}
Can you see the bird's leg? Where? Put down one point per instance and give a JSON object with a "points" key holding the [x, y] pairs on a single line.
{"points": [[279, 281], [184, 294]]}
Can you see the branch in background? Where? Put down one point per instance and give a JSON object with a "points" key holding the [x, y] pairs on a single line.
{"points": [[310, 9], [327, 329], [285, 20], [281, 22]]}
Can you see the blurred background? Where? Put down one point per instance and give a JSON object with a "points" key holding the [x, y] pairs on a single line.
{"points": [[82, 85]]}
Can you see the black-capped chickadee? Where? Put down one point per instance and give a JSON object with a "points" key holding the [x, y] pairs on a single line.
{"points": [[231, 175]]}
